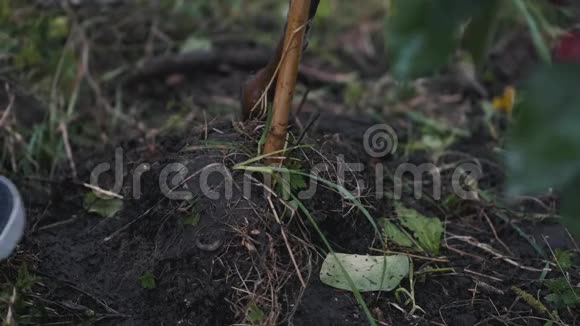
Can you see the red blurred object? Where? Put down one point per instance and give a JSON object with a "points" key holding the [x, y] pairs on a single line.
{"points": [[568, 48]]}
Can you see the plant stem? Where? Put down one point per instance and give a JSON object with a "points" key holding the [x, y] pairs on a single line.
{"points": [[293, 39]]}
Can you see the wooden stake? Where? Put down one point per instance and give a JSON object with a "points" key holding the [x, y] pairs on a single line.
{"points": [[286, 82]]}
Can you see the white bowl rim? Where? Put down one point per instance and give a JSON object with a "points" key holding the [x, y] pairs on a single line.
{"points": [[14, 229]]}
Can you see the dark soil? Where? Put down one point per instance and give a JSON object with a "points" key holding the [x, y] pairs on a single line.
{"points": [[96, 263], [90, 278], [192, 284]]}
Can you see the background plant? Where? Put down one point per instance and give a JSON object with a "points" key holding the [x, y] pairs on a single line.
{"points": [[543, 142]]}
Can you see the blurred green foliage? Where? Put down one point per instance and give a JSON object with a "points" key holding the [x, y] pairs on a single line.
{"points": [[34, 39], [545, 139], [15, 293], [423, 34], [34, 52], [544, 142]]}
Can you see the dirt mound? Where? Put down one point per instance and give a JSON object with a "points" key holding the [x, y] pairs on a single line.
{"points": [[198, 243], [92, 257], [203, 233]]}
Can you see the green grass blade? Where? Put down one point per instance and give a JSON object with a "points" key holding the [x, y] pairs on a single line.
{"points": [[340, 189], [537, 37], [355, 291], [262, 140], [344, 192], [245, 164]]}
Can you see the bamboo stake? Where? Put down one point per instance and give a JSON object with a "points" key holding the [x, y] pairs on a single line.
{"points": [[293, 39]]}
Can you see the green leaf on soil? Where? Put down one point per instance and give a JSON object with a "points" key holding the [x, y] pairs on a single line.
{"points": [[366, 272], [394, 233], [297, 182], [562, 295], [148, 281], [556, 284], [105, 207], [291, 182], [433, 126], [58, 27], [29, 54], [195, 43], [432, 143], [255, 314], [564, 258], [25, 279], [192, 218], [427, 231]]}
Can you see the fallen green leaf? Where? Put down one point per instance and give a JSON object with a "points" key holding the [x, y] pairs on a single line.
{"points": [[29, 54], [58, 27], [105, 207], [366, 272], [433, 143], [255, 314], [191, 219], [427, 231], [148, 281], [195, 43], [394, 233], [564, 258]]}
